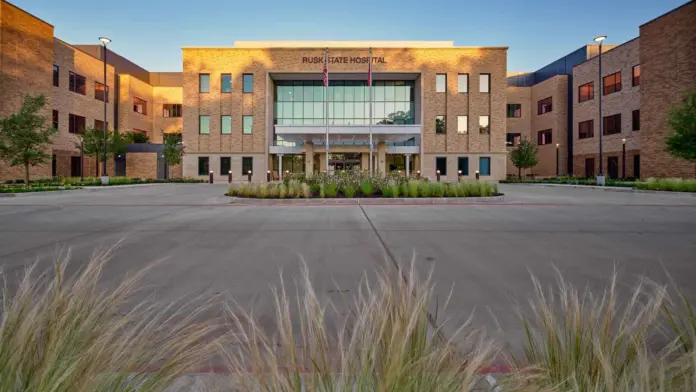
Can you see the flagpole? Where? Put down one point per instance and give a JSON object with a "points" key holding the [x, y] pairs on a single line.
{"points": [[326, 104], [369, 88]]}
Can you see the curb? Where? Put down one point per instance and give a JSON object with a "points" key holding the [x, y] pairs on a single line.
{"points": [[43, 193], [370, 201], [603, 188]]}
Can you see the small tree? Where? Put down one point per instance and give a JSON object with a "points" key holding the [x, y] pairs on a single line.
{"points": [[93, 144], [682, 120], [524, 156], [172, 149], [25, 134]]}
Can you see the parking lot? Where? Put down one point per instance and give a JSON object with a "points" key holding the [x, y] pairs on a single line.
{"points": [[483, 253]]}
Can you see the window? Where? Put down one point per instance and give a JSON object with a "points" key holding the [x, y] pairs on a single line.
{"points": [[139, 136], [76, 124], [514, 110], [589, 167], [636, 166], [225, 125], [204, 125], [226, 83], [55, 119], [463, 165], [441, 165], [636, 75], [203, 83], [171, 110], [440, 124], [463, 83], [247, 124], [247, 165], [636, 120], [612, 124], [225, 165], [139, 105], [512, 139], [440, 83], [77, 83], [586, 92], [484, 124], [100, 92], [612, 83], [586, 129], [462, 124], [56, 75], [485, 166], [544, 137], [203, 166], [248, 83], [75, 166], [485, 83], [545, 105], [98, 124]]}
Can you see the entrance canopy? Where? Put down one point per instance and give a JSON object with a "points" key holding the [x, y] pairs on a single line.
{"points": [[348, 133]]}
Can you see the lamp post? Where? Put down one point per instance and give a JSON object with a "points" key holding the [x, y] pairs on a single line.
{"points": [[459, 176], [105, 178], [623, 158], [437, 172], [600, 176], [557, 167]]}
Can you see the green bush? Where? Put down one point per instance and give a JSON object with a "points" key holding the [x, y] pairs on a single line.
{"points": [[367, 188], [331, 189], [413, 188], [423, 188], [437, 189], [669, 184], [263, 191], [395, 190], [349, 191], [273, 191], [322, 191], [387, 192], [306, 192], [452, 190]]}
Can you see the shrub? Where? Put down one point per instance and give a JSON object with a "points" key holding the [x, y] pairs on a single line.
{"points": [[367, 188], [669, 184], [424, 188], [322, 191], [395, 190], [262, 191], [273, 191], [437, 189], [306, 193], [282, 191], [387, 192], [485, 188], [314, 188], [403, 188], [349, 191], [331, 189], [452, 190], [413, 188]]}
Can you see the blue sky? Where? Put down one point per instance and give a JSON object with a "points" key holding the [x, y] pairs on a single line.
{"points": [[152, 32]]}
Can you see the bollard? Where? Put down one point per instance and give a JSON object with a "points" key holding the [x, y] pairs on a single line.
{"points": [[438, 175], [459, 177], [249, 174], [210, 177], [229, 177], [477, 174], [268, 176]]}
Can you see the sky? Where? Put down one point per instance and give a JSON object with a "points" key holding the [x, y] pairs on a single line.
{"points": [[537, 32]]}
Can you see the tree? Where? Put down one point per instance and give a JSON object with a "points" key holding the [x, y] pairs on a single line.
{"points": [[172, 149], [524, 156], [25, 134], [92, 143], [682, 119]]}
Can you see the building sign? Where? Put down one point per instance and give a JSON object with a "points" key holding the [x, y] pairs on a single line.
{"points": [[343, 60]]}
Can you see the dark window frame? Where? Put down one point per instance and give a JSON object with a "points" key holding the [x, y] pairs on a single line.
{"points": [[100, 127], [615, 87], [223, 171], [443, 169], [635, 120], [612, 124], [200, 84], [102, 92], [542, 137], [203, 162], [75, 166], [77, 83], [247, 164], [221, 126], [199, 124], [635, 80], [440, 124], [143, 104], [517, 110], [55, 119], [589, 131], [589, 164], [74, 121], [175, 111], [244, 84], [490, 163], [251, 132], [222, 83], [510, 139], [486, 130], [463, 167], [545, 105], [56, 75], [589, 96]]}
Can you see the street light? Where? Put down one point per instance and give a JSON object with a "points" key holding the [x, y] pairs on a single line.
{"points": [[105, 178], [600, 176], [623, 158], [557, 167]]}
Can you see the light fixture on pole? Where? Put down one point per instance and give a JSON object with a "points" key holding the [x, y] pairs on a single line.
{"points": [[105, 178], [623, 158], [557, 167], [600, 176]]}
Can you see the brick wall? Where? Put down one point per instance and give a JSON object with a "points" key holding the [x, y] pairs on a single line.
{"points": [[668, 65], [579, 163], [128, 119], [141, 165], [161, 96]]}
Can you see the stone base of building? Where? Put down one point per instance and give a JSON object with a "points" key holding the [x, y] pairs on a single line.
{"points": [[587, 165]]}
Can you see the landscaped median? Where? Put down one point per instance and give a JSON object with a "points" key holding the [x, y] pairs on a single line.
{"points": [[32, 188], [651, 184], [362, 188]]}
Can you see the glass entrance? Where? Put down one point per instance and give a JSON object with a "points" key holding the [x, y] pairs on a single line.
{"points": [[344, 162]]}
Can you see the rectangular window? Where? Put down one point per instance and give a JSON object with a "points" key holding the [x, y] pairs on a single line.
{"points": [[463, 83], [586, 92], [545, 105], [589, 167], [75, 166], [440, 124], [586, 129], [99, 124], [485, 166], [76, 124], [56, 75], [204, 125], [441, 165], [248, 83], [544, 137], [226, 83], [512, 139], [171, 110], [78, 83], [462, 124], [225, 125], [203, 83], [636, 166], [100, 92], [636, 120], [463, 165], [247, 124], [484, 124], [485, 83], [247, 165], [612, 124], [55, 119], [514, 110], [203, 166], [611, 83], [225, 165], [440, 83], [636, 75], [139, 105]]}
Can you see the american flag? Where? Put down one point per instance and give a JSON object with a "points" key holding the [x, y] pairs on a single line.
{"points": [[326, 68]]}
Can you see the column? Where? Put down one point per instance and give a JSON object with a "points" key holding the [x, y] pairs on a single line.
{"points": [[309, 158], [408, 162], [382, 157], [280, 167]]}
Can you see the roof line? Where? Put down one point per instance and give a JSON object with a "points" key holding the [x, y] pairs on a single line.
{"points": [[355, 47], [82, 51], [667, 13], [27, 12], [604, 53]]}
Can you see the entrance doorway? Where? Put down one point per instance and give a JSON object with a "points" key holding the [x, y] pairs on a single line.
{"points": [[613, 166], [344, 162]]}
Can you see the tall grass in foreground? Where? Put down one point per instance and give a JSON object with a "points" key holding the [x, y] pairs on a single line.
{"points": [[61, 333], [385, 342], [668, 184]]}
